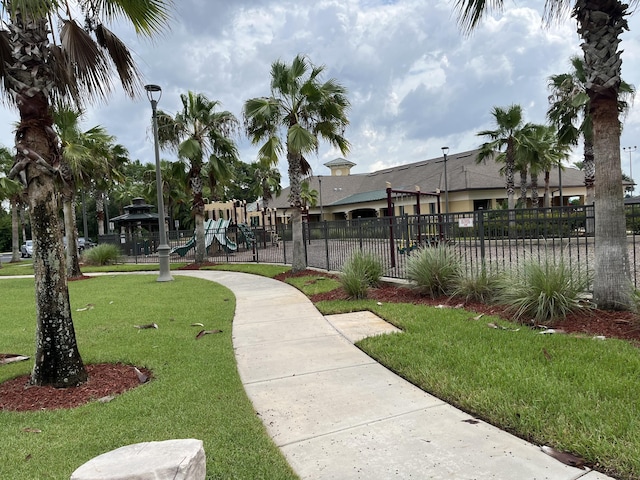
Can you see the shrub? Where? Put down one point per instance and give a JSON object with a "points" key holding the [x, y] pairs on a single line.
{"points": [[360, 271], [434, 270], [544, 291], [104, 254], [479, 286]]}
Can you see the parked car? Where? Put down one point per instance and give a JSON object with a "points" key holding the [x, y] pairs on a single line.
{"points": [[26, 250], [84, 244]]}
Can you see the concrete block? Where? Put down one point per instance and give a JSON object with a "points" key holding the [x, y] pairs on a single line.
{"points": [[168, 460]]}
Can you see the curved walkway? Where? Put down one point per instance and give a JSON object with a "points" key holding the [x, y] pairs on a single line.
{"points": [[337, 414]]}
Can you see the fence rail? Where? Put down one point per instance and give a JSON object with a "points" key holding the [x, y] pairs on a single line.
{"points": [[496, 239]]}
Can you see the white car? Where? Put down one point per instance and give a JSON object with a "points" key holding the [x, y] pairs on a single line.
{"points": [[27, 249]]}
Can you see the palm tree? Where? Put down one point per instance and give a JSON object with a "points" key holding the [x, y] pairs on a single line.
{"points": [[541, 150], [299, 112], [83, 155], [200, 136], [109, 172], [46, 56], [600, 24], [569, 112], [174, 183], [505, 140], [309, 197]]}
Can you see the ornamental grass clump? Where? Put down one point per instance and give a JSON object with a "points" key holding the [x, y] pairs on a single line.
{"points": [[479, 286], [544, 290], [434, 270], [361, 271], [105, 254]]}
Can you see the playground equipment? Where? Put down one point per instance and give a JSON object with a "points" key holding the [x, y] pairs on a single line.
{"points": [[214, 230], [247, 233], [217, 232]]}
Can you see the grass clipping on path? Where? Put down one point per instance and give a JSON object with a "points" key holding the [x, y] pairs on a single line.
{"points": [[577, 394], [195, 391]]}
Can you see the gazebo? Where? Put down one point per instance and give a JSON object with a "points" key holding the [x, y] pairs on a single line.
{"points": [[138, 228]]}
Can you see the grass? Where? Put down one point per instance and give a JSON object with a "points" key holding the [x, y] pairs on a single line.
{"points": [[576, 394], [26, 268], [195, 393], [314, 285]]}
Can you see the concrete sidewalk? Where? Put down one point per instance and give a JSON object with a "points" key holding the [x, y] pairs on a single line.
{"points": [[337, 414]]}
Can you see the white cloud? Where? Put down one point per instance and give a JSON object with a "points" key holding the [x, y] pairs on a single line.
{"points": [[415, 81]]}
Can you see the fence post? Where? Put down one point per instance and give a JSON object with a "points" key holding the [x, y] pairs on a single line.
{"points": [[325, 229], [481, 236], [284, 243]]}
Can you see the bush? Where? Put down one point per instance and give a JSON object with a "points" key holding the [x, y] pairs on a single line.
{"points": [[105, 254], [360, 271], [477, 286], [434, 270], [544, 291]]}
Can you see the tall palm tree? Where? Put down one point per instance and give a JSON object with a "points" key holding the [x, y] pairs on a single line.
{"points": [[300, 111], [109, 172], [48, 55], [505, 140], [569, 112], [542, 150], [200, 136], [174, 184], [84, 154], [600, 24]]}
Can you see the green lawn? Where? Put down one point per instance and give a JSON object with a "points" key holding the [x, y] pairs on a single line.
{"points": [[577, 394], [195, 393]]}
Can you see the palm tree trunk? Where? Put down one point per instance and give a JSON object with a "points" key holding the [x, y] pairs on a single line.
{"points": [[299, 261], [198, 212], [57, 359], [600, 24], [612, 284], [15, 231], [523, 187], [547, 195], [69, 212], [100, 211], [535, 200], [589, 172]]}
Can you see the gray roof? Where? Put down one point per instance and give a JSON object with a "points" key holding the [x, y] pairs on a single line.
{"points": [[339, 162], [462, 171]]}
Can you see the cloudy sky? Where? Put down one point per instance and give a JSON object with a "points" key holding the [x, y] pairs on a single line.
{"points": [[415, 82]]}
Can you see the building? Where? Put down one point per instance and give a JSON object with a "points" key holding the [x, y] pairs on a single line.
{"points": [[470, 186]]}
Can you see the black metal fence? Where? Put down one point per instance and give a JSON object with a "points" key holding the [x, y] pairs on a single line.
{"points": [[496, 239]]}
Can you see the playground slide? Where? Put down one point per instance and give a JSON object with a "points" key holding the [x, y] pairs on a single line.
{"points": [[217, 233], [248, 235], [182, 250]]}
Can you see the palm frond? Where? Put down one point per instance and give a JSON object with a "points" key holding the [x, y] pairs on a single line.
{"points": [[148, 17], [120, 55], [86, 61]]}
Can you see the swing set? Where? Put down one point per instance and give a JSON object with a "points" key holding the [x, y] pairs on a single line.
{"points": [[415, 234]]}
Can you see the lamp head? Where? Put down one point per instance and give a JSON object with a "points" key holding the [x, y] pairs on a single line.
{"points": [[152, 90], [445, 150]]}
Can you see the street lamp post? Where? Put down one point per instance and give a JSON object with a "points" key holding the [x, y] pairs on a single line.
{"points": [[163, 248], [445, 150], [630, 150]]}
